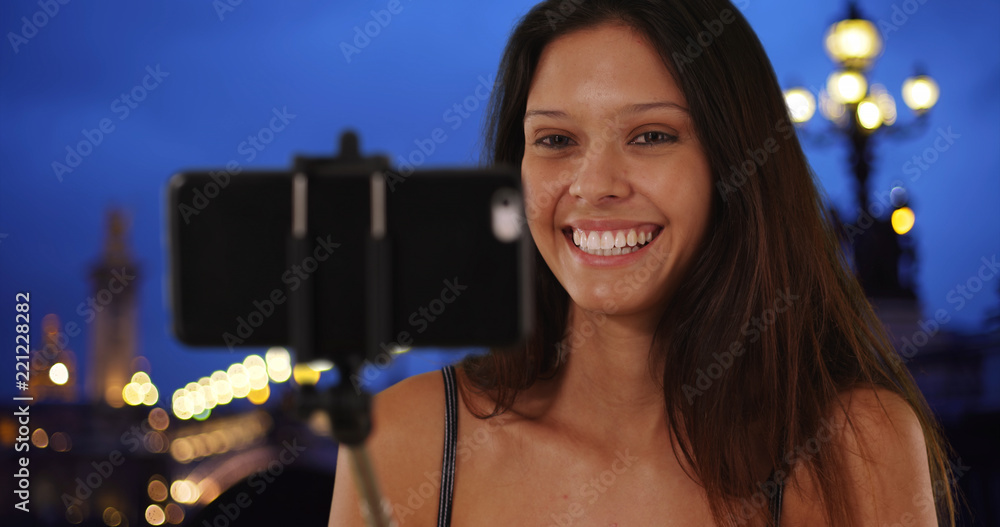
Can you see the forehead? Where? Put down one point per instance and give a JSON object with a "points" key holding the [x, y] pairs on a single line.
{"points": [[602, 67]]}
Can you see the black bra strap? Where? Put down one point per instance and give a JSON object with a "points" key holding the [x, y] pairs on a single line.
{"points": [[450, 444], [775, 505]]}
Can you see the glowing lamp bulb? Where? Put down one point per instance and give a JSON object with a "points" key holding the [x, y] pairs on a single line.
{"points": [[902, 220]]}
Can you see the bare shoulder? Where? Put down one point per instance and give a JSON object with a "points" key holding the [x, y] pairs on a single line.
{"points": [[405, 446], [881, 443], [412, 407], [880, 412]]}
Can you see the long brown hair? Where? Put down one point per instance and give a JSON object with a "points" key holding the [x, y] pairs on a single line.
{"points": [[732, 360]]}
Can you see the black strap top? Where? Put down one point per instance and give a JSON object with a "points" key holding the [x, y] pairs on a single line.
{"points": [[451, 443]]}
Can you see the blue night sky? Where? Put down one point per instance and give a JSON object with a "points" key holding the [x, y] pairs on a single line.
{"points": [[222, 79]]}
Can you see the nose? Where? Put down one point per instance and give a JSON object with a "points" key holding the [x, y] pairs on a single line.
{"points": [[602, 176]]}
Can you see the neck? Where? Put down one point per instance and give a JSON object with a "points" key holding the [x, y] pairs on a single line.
{"points": [[605, 384]]}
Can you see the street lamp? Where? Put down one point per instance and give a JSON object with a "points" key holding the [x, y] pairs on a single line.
{"points": [[857, 108], [920, 93], [860, 110], [854, 42]]}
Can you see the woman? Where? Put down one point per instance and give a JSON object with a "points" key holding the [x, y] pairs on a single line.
{"points": [[702, 355]]}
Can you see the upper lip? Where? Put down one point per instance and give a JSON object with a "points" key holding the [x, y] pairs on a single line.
{"points": [[609, 225]]}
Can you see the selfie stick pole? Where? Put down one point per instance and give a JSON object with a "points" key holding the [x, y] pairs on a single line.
{"points": [[349, 408]]}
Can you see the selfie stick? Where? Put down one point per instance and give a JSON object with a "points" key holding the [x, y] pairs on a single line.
{"points": [[349, 408]]}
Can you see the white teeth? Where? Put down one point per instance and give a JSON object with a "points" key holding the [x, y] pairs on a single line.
{"points": [[607, 240], [620, 239], [610, 243]]}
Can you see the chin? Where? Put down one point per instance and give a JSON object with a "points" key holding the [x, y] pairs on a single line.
{"points": [[605, 301]]}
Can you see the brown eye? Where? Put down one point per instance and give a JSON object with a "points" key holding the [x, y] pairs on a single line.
{"points": [[654, 138], [554, 141]]}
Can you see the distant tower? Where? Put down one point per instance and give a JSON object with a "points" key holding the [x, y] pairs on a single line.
{"points": [[111, 311], [53, 368]]}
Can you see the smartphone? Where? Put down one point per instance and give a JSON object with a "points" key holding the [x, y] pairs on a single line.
{"points": [[455, 267]]}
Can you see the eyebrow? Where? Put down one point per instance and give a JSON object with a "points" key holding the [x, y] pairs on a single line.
{"points": [[630, 109]]}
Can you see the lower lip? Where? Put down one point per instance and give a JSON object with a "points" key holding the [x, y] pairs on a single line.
{"points": [[595, 260]]}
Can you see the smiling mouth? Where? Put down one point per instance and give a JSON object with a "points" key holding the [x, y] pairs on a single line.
{"points": [[612, 243]]}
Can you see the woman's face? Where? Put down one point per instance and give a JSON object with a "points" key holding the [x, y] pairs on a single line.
{"points": [[617, 187]]}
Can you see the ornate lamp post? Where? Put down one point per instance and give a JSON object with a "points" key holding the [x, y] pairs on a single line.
{"points": [[860, 111]]}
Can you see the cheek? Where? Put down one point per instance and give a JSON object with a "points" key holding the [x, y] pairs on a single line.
{"points": [[687, 198], [699, 206], [542, 190], [537, 211]]}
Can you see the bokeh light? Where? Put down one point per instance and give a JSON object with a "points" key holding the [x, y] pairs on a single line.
{"points": [[157, 489], [40, 438], [304, 375], [239, 380], [132, 394], [60, 442], [801, 104], [59, 374], [220, 385], [159, 419], [847, 87], [920, 93], [184, 491], [854, 42], [903, 220], [112, 517], [279, 364], [869, 115], [175, 514], [259, 396], [155, 515]]}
